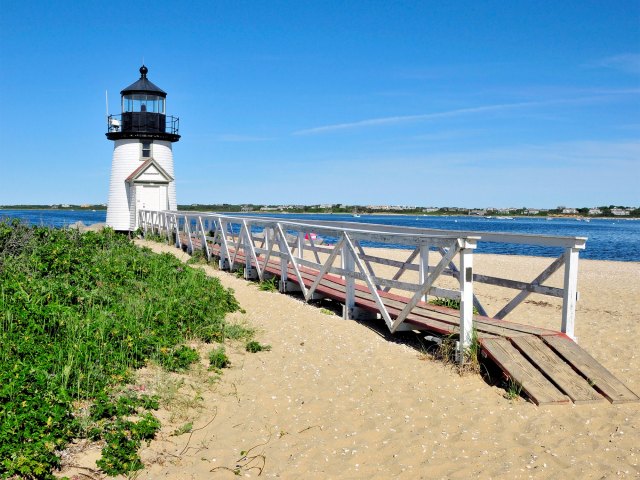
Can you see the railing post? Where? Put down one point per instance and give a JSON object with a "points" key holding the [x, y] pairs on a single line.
{"points": [[301, 244], [176, 221], [205, 246], [187, 228], [166, 226], [348, 263], [284, 261], [247, 252], [224, 253], [267, 240], [466, 300], [570, 297], [424, 268]]}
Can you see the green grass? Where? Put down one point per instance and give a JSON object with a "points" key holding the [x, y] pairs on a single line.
{"points": [[255, 347], [218, 358], [514, 390], [78, 313], [449, 303], [179, 359], [268, 285]]}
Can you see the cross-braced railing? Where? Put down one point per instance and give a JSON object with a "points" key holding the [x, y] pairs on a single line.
{"points": [[292, 250]]}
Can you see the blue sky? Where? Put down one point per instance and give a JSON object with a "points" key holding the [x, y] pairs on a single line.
{"points": [[460, 103]]}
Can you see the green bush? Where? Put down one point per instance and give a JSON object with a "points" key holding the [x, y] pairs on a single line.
{"points": [[79, 312], [254, 347], [268, 285], [218, 358], [178, 360]]}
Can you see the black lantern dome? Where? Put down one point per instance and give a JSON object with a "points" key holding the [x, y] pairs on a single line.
{"points": [[143, 113]]}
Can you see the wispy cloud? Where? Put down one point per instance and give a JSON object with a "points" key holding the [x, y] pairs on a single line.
{"points": [[411, 118], [373, 122], [449, 134], [626, 62], [239, 138]]}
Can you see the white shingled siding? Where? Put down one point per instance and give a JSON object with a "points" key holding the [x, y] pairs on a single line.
{"points": [[162, 153], [121, 213]]}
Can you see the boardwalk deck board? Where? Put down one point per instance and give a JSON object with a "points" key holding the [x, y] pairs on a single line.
{"points": [[554, 367], [540, 390], [599, 377]]}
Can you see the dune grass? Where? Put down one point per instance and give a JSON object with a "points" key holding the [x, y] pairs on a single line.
{"points": [[78, 313]]}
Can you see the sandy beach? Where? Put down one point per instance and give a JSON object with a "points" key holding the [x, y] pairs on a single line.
{"points": [[343, 399]]}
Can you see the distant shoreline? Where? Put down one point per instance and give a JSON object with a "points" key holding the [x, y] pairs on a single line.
{"points": [[368, 214]]}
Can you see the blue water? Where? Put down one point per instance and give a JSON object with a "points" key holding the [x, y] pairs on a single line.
{"points": [[608, 239]]}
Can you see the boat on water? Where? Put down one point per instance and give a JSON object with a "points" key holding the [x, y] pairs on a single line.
{"points": [[504, 218]]}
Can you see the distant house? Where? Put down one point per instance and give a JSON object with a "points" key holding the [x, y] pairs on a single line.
{"points": [[595, 211], [531, 211], [620, 212], [569, 211]]}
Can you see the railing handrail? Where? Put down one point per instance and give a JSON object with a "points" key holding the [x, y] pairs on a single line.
{"points": [[172, 122], [482, 236], [271, 221]]}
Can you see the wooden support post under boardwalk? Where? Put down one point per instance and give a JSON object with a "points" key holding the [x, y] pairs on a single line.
{"points": [[570, 297]]}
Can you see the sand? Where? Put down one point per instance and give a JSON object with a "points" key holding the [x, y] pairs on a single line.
{"points": [[342, 399]]}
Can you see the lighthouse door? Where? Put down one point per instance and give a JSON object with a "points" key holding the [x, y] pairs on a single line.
{"points": [[151, 197]]}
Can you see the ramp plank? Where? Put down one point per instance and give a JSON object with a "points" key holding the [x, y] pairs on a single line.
{"points": [[554, 367], [599, 377], [513, 363]]}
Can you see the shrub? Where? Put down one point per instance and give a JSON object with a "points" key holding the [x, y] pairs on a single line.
{"points": [[178, 360], [268, 285], [218, 358], [254, 347], [79, 312]]}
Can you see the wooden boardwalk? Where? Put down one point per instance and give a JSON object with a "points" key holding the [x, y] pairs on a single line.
{"points": [[547, 365]]}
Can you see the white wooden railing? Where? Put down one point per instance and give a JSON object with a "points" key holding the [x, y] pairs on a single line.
{"points": [[261, 239]]}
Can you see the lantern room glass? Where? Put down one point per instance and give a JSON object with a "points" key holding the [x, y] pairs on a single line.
{"points": [[143, 103]]}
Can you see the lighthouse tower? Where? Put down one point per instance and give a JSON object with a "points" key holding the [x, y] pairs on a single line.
{"points": [[142, 166]]}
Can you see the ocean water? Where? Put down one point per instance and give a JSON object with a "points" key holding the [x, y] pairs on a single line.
{"points": [[608, 239]]}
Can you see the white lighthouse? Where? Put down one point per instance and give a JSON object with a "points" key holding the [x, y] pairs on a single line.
{"points": [[142, 166]]}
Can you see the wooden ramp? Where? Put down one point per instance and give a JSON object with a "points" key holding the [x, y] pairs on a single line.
{"points": [[548, 366]]}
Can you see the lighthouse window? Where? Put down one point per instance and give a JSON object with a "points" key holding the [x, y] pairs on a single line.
{"points": [[143, 103], [146, 149]]}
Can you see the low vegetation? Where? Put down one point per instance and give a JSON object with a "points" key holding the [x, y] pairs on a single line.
{"points": [[255, 347], [449, 303], [78, 313], [218, 358]]}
